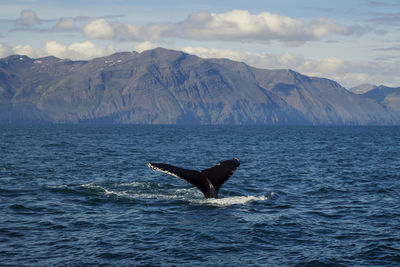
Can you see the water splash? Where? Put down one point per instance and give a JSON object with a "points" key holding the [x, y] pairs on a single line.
{"points": [[140, 191], [238, 200]]}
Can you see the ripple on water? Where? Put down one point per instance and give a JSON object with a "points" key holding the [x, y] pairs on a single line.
{"points": [[82, 195]]}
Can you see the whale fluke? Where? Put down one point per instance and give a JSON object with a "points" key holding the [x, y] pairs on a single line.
{"points": [[208, 180]]}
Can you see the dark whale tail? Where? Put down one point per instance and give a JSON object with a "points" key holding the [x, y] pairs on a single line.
{"points": [[208, 180]]}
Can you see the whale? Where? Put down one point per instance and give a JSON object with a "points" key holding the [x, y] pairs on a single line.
{"points": [[207, 181]]}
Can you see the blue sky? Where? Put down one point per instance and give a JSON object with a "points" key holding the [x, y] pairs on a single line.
{"points": [[352, 42]]}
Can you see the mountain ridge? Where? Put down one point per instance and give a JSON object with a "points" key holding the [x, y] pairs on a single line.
{"points": [[162, 86], [387, 96], [362, 88]]}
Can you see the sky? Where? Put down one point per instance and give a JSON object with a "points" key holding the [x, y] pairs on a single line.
{"points": [[352, 42]]}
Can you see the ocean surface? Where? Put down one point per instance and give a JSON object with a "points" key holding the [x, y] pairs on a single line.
{"points": [[82, 195]]}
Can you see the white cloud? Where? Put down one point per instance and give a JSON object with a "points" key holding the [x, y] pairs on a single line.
{"points": [[240, 25], [322, 27], [28, 18], [151, 32], [75, 51], [102, 29], [28, 51], [258, 60], [55, 49], [347, 73], [235, 25], [65, 24], [88, 50], [330, 64], [214, 53], [99, 29], [143, 46]]}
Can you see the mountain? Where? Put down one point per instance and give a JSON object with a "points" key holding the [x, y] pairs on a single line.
{"points": [[362, 88], [163, 86], [387, 96]]}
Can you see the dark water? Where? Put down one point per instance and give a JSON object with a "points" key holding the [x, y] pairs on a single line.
{"points": [[75, 195]]}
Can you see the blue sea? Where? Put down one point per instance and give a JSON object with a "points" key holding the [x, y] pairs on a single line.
{"points": [[82, 195]]}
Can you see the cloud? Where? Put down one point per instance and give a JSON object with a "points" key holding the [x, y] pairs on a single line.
{"points": [[143, 46], [55, 49], [322, 27], [28, 18], [27, 50], [65, 24], [348, 73], [75, 51], [386, 18], [150, 32], [103, 29], [216, 53], [236, 25], [88, 50], [99, 29], [240, 25]]}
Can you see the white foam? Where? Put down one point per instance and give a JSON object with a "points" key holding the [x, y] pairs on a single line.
{"points": [[190, 195], [90, 185], [139, 184], [105, 191], [240, 200]]}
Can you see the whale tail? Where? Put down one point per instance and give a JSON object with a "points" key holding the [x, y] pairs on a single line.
{"points": [[208, 180]]}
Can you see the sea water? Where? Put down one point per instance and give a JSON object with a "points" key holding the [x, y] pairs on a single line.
{"points": [[82, 195]]}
